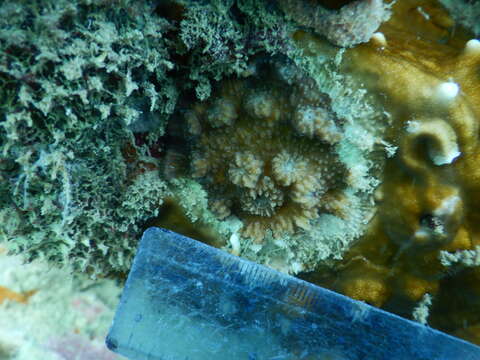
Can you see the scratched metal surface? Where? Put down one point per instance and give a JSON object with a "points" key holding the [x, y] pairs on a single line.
{"points": [[186, 300]]}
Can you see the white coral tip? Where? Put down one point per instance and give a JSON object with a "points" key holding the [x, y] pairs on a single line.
{"points": [[235, 243], [447, 91], [448, 206], [446, 158], [472, 47], [379, 39]]}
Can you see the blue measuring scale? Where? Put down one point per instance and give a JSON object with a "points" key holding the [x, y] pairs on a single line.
{"points": [[186, 300]]}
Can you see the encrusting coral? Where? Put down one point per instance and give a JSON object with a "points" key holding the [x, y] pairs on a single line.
{"points": [[424, 236], [103, 105]]}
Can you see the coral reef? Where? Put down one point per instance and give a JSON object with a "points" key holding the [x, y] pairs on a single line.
{"points": [[228, 122], [352, 24], [92, 152], [90, 156]]}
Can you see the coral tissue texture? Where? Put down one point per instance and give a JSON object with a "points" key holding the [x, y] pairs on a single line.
{"points": [[92, 149], [424, 241], [275, 178], [267, 149]]}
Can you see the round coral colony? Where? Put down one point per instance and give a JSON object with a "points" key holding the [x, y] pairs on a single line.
{"points": [[267, 152]]}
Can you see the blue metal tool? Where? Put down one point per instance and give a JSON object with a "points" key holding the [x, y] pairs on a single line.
{"points": [[186, 300]]}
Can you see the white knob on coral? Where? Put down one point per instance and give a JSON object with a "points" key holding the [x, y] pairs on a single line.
{"points": [[472, 47], [379, 39], [447, 91]]}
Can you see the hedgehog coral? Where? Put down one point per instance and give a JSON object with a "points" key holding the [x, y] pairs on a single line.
{"points": [[245, 170], [288, 168], [316, 121]]}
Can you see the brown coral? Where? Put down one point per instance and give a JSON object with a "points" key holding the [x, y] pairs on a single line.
{"points": [[428, 79], [316, 121], [274, 175], [288, 168], [425, 200], [245, 170]]}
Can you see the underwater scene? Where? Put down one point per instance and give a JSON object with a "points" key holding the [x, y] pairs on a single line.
{"points": [[334, 141]]}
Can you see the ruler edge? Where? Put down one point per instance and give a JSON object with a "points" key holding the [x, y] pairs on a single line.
{"points": [[155, 232]]}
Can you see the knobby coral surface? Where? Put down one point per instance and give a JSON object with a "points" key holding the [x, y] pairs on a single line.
{"points": [[260, 147], [104, 104], [424, 238], [268, 149]]}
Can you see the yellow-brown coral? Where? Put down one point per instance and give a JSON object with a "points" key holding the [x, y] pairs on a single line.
{"points": [[282, 164], [431, 92], [428, 79], [273, 177]]}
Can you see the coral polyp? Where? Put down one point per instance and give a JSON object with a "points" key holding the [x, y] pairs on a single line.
{"points": [[273, 157], [272, 176]]}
